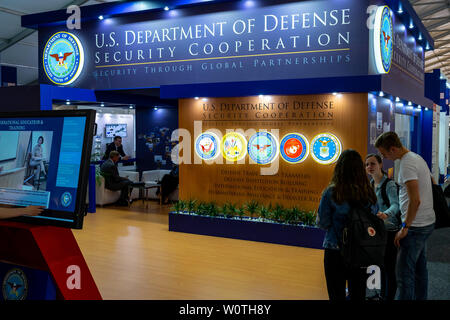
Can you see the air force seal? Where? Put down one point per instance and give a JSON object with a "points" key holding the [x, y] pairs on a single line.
{"points": [[63, 58], [234, 146], [383, 39], [207, 146], [15, 285], [294, 148], [326, 148], [262, 148]]}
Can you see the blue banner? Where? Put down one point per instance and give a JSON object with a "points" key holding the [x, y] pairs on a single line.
{"points": [[308, 39]]}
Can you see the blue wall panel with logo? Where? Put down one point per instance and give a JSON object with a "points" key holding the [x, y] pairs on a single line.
{"points": [[21, 283]]}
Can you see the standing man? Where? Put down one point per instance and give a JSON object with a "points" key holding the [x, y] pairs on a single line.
{"points": [[113, 181], [116, 145], [418, 217]]}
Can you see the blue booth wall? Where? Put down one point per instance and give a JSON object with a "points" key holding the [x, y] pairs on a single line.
{"points": [[153, 137]]}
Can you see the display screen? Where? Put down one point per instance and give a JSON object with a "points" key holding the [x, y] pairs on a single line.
{"points": [[113, 130], [50, 163]]}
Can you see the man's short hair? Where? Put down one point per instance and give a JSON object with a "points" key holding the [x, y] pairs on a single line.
{"points": [[388, 140], [113, 154], [117, 137]]}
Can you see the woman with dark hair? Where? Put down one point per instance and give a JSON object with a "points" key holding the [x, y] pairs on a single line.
{"points": [[349, 187], [386, 192], [37, 159]]}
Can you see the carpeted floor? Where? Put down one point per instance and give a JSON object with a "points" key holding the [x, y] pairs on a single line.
{"points": [[438, 256]]}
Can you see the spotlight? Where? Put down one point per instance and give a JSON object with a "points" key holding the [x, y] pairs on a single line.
{"points": [[261, 96], [411, 25], [100, 17], [67, 101], [196, 98], [381, 94], [334, 93], [102, 104], [427, 47], [420, 36], [166, 8], [397, 99], [155, 108]]}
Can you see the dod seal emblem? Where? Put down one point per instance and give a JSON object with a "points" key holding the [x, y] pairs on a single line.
{"points": [[383, 42], [15, 285], [66, 199], [63, 58], [262, 148]]}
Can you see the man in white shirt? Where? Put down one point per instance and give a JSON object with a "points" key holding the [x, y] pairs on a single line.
{"points": [[418, 217]]}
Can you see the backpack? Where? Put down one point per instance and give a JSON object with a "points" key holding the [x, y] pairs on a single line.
{"points": [[386, 201], [440, 207], [364, 239]]}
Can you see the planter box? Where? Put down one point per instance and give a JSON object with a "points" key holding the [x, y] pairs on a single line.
{"points": [[246, 229]]}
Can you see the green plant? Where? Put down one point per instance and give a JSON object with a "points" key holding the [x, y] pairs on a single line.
{"points": [[278, 213], [191, 205], [294, 216], [202, 209], [240, 211], [251, 207], [310, 218], [182, 204], [264, 212], [228, 209], [98, 176], [212, 209], [178, 206]]}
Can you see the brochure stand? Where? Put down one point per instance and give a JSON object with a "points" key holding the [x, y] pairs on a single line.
{"points": [[52, 250]]}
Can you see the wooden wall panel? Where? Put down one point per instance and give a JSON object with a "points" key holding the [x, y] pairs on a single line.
{"points": [[294, 184]]}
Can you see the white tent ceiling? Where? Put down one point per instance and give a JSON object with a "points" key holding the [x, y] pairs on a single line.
{"points": [[19, 46]]}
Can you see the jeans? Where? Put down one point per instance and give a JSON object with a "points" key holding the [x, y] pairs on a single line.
{"points": [[411, 271], [389, 281], [337, 275]]}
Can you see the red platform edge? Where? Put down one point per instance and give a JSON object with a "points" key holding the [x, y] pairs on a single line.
{"points": [[48, 248]]}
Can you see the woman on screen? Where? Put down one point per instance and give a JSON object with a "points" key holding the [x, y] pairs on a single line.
{"points": [[37, 160]]}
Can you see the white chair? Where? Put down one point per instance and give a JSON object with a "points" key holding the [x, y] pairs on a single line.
{"points": [[152, 177], [105, 196], [133, 176]]}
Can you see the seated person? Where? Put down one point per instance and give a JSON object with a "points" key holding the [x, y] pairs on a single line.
{"points": [[113, 181], [169, 183], [37, 161], [116, 145]]}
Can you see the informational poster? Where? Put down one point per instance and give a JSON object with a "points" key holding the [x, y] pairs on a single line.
{"points": [[271, 149]]}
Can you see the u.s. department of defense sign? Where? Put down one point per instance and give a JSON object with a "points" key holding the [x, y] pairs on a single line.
{"points": [[63, 58], [262, 148]]}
